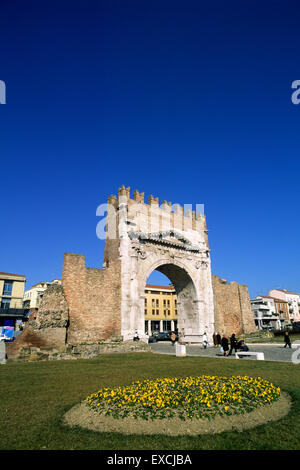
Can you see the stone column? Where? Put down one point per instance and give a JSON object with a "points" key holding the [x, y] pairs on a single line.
{"points": [[2, 352], [161, 326]]}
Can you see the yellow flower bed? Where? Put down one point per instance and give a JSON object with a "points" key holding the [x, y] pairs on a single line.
{"points": [[186, 398]]}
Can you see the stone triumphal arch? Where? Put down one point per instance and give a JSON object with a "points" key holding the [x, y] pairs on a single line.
{"points": [[95, 306], [187, 267], [152, 236]]}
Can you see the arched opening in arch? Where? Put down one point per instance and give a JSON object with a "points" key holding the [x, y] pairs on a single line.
{"points": [[170, 300]]}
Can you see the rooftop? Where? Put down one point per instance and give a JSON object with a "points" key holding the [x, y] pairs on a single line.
{"points": [[286, 291], [268, 297], [150, 286], [11, 274]]}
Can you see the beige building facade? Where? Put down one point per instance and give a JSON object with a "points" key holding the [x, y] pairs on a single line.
{"points": [[161, 310], [11, 299], [293, 301], [12, 288]]}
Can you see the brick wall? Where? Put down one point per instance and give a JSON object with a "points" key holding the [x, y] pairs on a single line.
{"points": [[94, 299], [233, 312], [246, 310]]}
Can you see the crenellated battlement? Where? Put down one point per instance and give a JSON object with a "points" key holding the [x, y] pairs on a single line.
{"points": [[126, 214], [177, 216]]}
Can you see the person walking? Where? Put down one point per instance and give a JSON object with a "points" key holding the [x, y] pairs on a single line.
{"points": [[204, 338], [287, 340], [219, 341], [233, 344], [215, 340], [173, 338], [225, 346]]}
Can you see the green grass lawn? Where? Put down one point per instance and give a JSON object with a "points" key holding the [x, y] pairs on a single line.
{"points": [[34, 397]]}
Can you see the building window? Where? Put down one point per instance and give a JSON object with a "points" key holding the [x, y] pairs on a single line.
{"points": [[157, 303], [175, 312], [157, 312], [145, 302], [153, 312], [5, 303], [7, 288]]}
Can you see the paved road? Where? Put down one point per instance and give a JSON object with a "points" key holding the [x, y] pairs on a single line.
{"points": [[271, 352]]}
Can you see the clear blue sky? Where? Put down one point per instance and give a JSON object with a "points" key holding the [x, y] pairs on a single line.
{"points": [[187, 100]]}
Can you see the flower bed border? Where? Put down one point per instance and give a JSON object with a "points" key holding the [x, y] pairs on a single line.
{"points": [[83, 416], [189, 397]]}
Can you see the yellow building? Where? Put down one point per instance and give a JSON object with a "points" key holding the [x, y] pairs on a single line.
{"points": [[12, 288], [11, 297], [160, 308]]}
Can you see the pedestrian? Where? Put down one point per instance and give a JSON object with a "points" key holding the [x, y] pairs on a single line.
{"points": [[215, 340], [136, 337], [173, 338], [287, 340], [204, 339], [219, 342], [233, 344], [225, 345]]}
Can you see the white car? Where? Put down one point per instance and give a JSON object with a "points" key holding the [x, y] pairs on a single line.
{"points": [[2, 337]]}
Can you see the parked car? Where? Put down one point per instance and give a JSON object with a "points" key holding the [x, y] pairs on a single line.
{"points": [[161, 336], [152, 339], [296, 326], [6, 338]]}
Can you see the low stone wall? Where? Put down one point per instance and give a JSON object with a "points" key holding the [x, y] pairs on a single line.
{"points": [[257, 335], [81, 351]]}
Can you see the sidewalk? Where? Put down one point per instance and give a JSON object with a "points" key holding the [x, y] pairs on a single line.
{"points": [[271, 352]]}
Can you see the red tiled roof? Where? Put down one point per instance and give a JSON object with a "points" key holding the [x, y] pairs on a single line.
{"points": [[149, 286]]}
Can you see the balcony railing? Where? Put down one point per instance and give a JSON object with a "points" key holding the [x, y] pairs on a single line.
{"points": [[12, 312]]}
